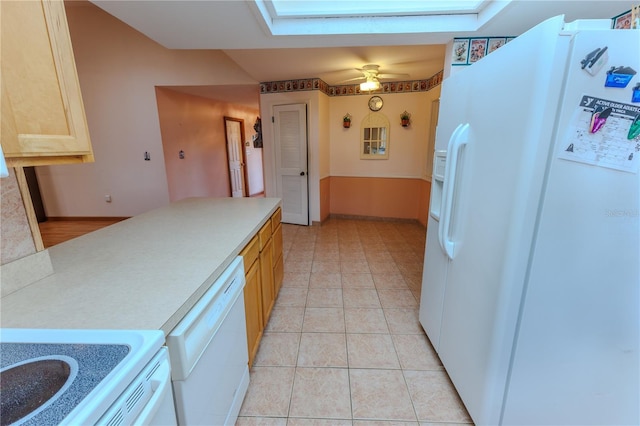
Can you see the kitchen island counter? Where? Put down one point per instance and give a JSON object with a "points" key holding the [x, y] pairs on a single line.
{"points": [[143, 273]]}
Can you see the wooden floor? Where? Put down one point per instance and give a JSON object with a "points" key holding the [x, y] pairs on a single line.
{"points": [[58, 231]]}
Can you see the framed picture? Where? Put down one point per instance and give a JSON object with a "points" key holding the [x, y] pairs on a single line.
{"points": [[508, 39], [478, 49], [622, 21], [460, 51], [496, 43]]}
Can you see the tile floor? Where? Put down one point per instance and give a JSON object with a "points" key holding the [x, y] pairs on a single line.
{"points": [[343, 345]]}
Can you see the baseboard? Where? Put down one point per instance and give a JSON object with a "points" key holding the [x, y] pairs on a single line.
{"points": [[374, 218]]}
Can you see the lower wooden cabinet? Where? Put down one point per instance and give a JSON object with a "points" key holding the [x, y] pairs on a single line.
{"points": [[253, 310], [264, 271], [278, 261]]}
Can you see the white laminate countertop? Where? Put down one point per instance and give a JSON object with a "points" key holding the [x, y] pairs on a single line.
{"points": [[144, 273]]}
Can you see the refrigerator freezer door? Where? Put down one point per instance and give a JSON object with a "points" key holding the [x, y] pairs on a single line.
{"points": [[511, 110], [577, 349]]}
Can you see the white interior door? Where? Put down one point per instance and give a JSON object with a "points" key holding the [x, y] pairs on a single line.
{"points": [[234, 135], [290, 127]]}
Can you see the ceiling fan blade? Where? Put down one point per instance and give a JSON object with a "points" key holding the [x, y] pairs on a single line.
{"points": [[388, 75], [361, 78]]}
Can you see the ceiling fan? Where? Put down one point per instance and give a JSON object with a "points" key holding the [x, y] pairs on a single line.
{"points": [[372, 76]]}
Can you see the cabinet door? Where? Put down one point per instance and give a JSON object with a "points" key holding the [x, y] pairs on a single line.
{"points": [[266, 273], [43, 119], [253, 309]]}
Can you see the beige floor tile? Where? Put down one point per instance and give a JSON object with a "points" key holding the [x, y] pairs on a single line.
{"points": [[326, 266], [403, 320], [318, 422], [322, 350], [357, 280], [278, 349], [300, 255], [380, 395], [365, 320], [371, 351], [360, 298], [326, 256], [292, 296], [384, 265], [296, 279], [415, 352], [297, 266], [285, 319], [383, 423], [261, 421], [354, 267], [397, 298], [389, 280], [325, 280], [353, 256], [269, 393], [321, 393], [434, 397], [328, 320], [376, 245], [324, 298]]}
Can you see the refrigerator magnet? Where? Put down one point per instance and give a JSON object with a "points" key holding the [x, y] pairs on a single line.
{"points": [[619, 77], [598, 119], [634, 130], [635, 93], [595, 60]]}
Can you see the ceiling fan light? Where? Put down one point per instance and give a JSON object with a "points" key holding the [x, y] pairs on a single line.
{"points": [[370, 85]]}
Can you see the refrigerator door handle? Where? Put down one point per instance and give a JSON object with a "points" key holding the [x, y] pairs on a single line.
{"points": [[459, 138]]}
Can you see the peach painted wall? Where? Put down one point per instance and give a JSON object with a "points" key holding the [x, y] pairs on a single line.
{"points": [[423, 207], [325, 198], [195, 125], [375, 197], [118, 70]]}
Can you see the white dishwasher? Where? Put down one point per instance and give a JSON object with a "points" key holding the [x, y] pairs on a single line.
{"points": [[209, 356]]}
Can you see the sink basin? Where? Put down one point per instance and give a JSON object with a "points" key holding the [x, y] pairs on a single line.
{"points": [[30, 386]]}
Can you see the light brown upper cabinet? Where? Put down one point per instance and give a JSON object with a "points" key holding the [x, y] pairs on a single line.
{"points": [[43, 119]]}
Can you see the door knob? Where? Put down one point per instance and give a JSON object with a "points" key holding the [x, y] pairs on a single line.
{"points": [[301, 173]]}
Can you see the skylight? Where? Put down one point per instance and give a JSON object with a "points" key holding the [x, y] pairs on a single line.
{"points": [[329, 17], [329, 8]]}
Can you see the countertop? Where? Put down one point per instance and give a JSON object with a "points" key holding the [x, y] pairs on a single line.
{"points": [[144, 273]]}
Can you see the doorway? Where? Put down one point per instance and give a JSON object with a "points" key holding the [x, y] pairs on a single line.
{"points": [[234, 136], [290, 146]]}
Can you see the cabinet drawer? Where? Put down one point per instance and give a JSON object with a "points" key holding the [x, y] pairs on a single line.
{"points": [[264, 234], [276, 218], [250, 253]]}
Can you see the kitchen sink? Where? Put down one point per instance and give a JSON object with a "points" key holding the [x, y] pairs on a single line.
{"points": [[30, 386]]}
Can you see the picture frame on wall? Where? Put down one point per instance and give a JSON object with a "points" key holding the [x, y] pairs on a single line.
{"points": [[496, 43], [477, 50], [622, 21], [460, 52]]}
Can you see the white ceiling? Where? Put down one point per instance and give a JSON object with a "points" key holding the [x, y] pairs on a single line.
{"points": [[239, 29]]}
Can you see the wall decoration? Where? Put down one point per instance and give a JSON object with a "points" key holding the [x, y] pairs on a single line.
{"points": [[495, 43], [622, 21], [478, 49], [257, 138], [460, 53], [466, 51]]}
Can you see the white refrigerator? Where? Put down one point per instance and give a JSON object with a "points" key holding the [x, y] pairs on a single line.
{"points": [[531, 278]]}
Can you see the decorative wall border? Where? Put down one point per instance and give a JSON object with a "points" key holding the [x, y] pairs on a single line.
{"points": [[307, 84]]}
